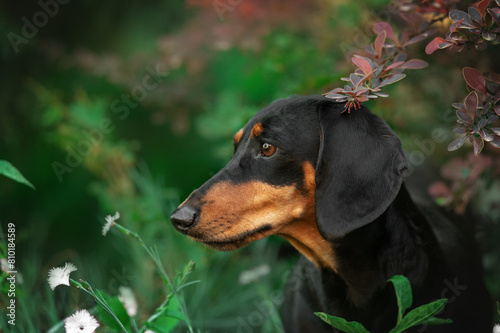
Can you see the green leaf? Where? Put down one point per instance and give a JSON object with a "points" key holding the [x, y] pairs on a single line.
{"points": [[168, 319], [342, 324], [435, 321], [403, 294], [121, 314], [10, 171], [418, 315]]}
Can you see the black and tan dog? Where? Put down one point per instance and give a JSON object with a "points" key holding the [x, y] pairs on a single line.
{"points": [[331, 183]]}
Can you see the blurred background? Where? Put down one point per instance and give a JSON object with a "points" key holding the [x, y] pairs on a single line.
{"points": [[130, 105]]}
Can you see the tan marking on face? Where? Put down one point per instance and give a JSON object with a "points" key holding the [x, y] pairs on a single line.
{"points": [[237, 136], [257, 130], [233, 216], [231, 213], [304, 235]]}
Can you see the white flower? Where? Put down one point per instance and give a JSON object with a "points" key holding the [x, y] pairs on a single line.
{"points": [[80, 322], [496, 329], [127, 298], [4, 265], [60, 275], [110, 220], [254, 274]]}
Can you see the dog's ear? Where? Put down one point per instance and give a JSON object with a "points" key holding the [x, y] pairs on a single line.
{"points": [[359, 170]]}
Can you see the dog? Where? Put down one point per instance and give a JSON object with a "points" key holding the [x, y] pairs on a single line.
{"points": [[332, 184]]}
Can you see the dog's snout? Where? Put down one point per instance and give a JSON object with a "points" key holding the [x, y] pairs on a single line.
{"points": [[185, 217]]}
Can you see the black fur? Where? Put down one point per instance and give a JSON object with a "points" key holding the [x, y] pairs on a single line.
{"points": [[364, 210]]}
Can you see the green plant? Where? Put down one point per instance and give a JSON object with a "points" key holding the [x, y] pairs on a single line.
{"points": [[10, 171], [423, 315], [112, 311]]}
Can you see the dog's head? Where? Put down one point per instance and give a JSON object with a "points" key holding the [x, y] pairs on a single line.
{"points": [[301, 169]]}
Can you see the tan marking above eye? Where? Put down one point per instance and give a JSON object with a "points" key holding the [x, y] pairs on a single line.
{"points": [[237, 136], [257, 130]]}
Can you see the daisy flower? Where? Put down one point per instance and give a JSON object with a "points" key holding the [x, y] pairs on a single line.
{"points": [[127, 298], [60, 275], [110, 220], [496, 329], [80, 322]]}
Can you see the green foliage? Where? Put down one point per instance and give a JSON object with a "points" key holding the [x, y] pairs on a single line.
{"points": [[64, 82], [10, 171], [404, 295], [119, 311], [342, 324], [418, 316]]}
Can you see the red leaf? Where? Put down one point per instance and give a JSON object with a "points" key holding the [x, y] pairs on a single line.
{"points": [[414, 64], [394, 65], [379, 43], [434, 45], [474, 79], [362, 63], [471, 104], [384, 26], [481, 7], [439, 189]]}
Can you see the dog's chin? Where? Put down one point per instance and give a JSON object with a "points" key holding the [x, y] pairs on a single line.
{"points": [[232, 243], [226, 246]]}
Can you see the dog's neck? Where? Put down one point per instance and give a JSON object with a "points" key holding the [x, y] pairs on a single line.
{"points": [[367, 257]]}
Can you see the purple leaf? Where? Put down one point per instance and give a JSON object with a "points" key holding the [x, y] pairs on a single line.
{"points": [[482, 123], [497, 109], [490, 76], [489, 36], [381, 94], [496, 130], [414, 64], [355, 79], [475, 15], [492, 119], [496, 142], [458, 105], [464, 116], [337, 97], [488, 137], [336, 90], [384, 26], [458, 15], [392, 79], [471, 104], [455, 144], [460, 130], [495, 13], [478, 144], [474, 79], [400, 57], [416, 39], [362, 63]]}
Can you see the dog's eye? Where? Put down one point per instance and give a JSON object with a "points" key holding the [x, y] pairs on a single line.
{"points": [[268, 149]]}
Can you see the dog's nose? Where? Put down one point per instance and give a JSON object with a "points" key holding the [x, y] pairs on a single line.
{"points": [[183, 218]]}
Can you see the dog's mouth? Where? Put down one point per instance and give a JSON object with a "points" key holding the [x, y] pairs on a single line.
{"points": [[234, 242]]}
